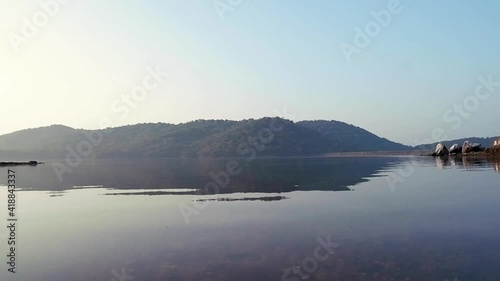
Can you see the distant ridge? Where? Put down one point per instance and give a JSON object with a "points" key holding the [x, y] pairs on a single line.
{"points": [[485, 142], [201, 139]]}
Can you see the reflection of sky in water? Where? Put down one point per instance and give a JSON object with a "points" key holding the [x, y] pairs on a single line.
{"points": [[436, 225]]}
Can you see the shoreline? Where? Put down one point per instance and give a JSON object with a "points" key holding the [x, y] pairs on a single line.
{"points": [[417, 153], [411, 153], [13, 164]]}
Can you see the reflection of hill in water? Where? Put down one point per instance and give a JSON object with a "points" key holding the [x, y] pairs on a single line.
{"points": [[260, 175], [467, 163], [285, 175]]}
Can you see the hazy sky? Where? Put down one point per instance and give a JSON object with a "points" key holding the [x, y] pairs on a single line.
{"points": [[252, 60]]}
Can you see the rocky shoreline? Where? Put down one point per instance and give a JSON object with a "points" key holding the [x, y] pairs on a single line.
{"points": [[468, 150]]}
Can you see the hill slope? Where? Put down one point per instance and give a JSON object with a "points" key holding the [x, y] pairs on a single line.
{"points": [[201, 138], [345, 137]]}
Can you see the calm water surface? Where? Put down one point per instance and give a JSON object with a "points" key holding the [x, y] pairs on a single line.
{"points": [[276, 219]]}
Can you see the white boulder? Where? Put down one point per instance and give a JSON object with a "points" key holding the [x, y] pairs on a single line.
{"points": [[496, 143], [454, 149], [441, 150], [471, 147]]}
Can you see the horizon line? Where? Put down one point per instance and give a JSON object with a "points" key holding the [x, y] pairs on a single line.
{"points": [[248, 119]]}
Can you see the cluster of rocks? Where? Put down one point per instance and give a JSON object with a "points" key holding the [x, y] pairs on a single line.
{"points": [[495, 149], [467, 147]]}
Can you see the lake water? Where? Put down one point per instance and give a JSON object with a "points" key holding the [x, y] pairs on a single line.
{"points": [[296, 219]]}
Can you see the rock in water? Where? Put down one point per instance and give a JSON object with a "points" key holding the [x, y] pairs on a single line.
{"points": [[441, 150], [496, 143], [454, 149], [471, 147], [466, 147]]}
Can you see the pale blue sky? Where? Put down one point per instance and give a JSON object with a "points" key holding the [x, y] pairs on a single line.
{"points": [[263, 57]]}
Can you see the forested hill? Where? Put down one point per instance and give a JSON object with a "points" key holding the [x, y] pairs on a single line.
{"points": [[201, 138]]}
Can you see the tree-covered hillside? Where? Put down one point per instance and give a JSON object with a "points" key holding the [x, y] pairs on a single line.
{"points": [[201, 138]]}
